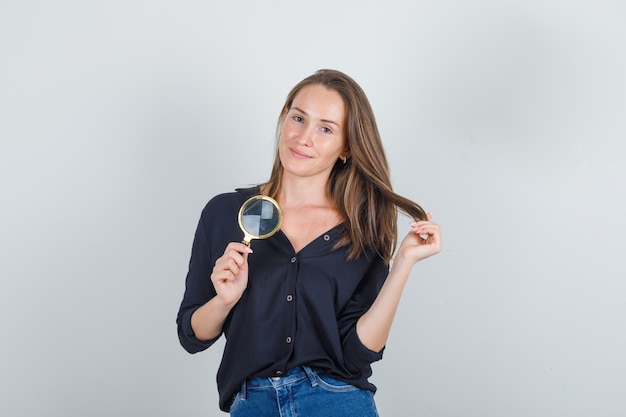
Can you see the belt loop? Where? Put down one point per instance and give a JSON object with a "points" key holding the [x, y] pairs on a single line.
{"points": [[244, 389], [311, 375]]}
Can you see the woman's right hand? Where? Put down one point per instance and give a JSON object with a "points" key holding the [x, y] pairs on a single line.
{"points": [[230, 273]]}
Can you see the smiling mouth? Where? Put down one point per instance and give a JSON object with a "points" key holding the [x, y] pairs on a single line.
{"points": [[299, 155]]}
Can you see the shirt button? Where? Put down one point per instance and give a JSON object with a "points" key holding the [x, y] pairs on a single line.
{"points": [[289, 297], [326, 238], [288, 339], [293, 260], [279, 373]]}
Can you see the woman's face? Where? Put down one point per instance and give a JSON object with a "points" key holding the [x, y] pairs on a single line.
{"points": [[312, 133]]}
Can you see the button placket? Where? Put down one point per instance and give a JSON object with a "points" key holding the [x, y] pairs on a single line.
{"points": [[289, 297]]}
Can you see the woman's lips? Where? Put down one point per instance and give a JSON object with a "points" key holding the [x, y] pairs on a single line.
{"points": [[299, 155]]}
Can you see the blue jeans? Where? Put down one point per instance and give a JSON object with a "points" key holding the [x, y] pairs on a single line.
{"points": [[303, 392]]}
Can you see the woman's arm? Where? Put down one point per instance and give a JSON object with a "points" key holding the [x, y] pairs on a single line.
{"points": [[374, 326], [230, 279], [208, 319]]}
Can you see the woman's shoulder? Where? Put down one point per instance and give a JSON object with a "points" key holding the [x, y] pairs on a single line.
{"points": [[231, 199]]}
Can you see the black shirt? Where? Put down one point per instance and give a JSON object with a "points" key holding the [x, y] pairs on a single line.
{"points": [[298, 309]]}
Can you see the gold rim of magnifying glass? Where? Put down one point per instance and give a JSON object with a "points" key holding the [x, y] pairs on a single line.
{"points": [[248, 236]]}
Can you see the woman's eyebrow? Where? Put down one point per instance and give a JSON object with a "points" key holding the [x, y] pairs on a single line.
{"points": [[322, 120]]}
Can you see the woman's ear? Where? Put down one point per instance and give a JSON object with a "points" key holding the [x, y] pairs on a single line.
{"points": [[344, 156]]}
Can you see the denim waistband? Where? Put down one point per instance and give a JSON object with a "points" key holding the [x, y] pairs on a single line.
{"points": [[294, 375]]}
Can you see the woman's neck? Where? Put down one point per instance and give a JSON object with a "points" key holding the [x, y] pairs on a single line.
{"points": [[303, 192]]}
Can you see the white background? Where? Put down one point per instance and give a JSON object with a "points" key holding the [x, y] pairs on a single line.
{"points": [[506, 119]]}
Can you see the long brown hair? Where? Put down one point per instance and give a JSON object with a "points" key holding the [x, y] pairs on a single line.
{"points": [[360, 187]]}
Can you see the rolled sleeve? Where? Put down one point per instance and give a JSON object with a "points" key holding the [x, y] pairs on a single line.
{"points": [[187, 337], [198, 289], [357, 356]]}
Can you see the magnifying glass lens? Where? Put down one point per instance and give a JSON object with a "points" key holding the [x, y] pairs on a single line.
{"points": [[259, 218]]}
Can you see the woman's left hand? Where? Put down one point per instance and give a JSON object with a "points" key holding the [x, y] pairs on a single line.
{"points": [[423, 241]]}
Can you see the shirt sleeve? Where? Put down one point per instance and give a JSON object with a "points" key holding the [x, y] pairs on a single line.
{"points": [[357, 356], [198, 289]]}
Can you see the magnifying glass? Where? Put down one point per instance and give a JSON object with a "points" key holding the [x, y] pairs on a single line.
{"points": [[259, 217]]}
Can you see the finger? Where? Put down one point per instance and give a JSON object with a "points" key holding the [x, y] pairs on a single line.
{"points": [[225, 269], [238, 247], [221, 277], [226, 262], [421, 222], [426, 232], [417, 229], [235, 251], [236, 259], [232, 266], [226, 276], [423, 225]]}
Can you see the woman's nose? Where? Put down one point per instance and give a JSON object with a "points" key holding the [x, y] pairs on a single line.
{"points": [[306, 137]]}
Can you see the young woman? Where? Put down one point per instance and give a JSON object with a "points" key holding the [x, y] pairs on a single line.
{"points": [[308, 310]]}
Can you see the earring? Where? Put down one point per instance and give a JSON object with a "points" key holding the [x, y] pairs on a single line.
{"points": [[344, 159]]}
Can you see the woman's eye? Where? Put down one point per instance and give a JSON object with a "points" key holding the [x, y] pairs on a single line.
{"points": [[298, 118], [326, 130]]}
